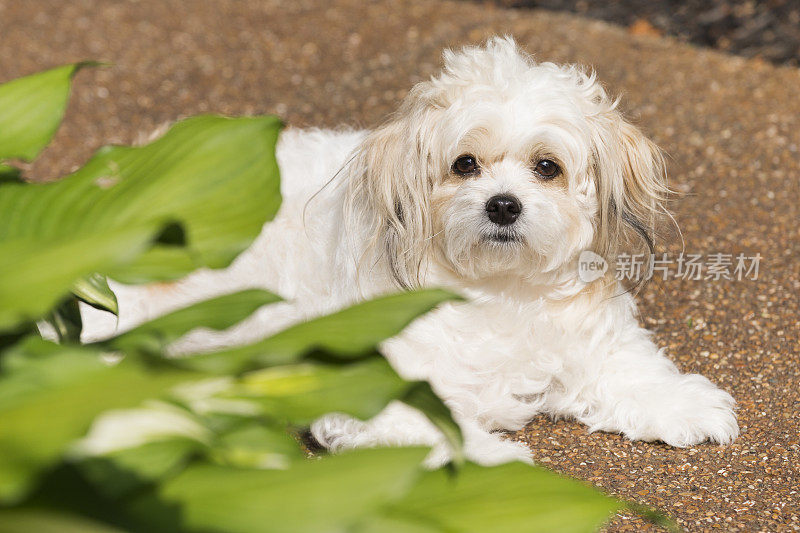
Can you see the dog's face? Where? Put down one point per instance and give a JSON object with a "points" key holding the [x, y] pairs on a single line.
{"points": [[500, 166], [512, 191]]}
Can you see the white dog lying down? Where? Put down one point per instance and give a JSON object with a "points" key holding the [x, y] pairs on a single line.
{"points": [[490, 180]]}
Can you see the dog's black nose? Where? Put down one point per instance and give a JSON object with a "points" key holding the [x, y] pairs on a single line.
{"points": [[503, 209]]}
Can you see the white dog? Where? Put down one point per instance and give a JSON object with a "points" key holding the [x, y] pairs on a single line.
{"points": [[491, 179]]}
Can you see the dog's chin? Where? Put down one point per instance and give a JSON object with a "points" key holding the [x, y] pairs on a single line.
{"points": [[492, 252]]}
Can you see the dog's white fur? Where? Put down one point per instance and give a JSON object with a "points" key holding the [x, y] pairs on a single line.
{"points": [[533, 338]]}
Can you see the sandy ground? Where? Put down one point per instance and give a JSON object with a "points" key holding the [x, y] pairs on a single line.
{"points": [[729, 125]]}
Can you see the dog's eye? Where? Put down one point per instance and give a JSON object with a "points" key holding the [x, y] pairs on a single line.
{"points": [[466, 164], [547, 169]]}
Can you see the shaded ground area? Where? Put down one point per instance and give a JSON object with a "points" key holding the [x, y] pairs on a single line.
{"points": [[730, 126], [769, 30]]}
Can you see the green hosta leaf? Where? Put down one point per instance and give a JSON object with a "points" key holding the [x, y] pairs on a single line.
{"points": [[9, 174], [94, 290], [12, 337], [127, 449], [301, 393], [216, 178], [119, 472], [383, 523], [66, 321], [196, 197], [348, 334], [50, 393], [31, 108], [46, 520], [29, 283], [217, 313], [508, 498], [420, 395], [65, 501], [255, 445], [324, 495]]}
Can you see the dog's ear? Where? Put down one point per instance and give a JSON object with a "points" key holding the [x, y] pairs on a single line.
{"points": [[389, 190], [630, 180]]}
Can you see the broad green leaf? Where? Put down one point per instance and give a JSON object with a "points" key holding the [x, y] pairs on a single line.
{"points": [[66, 321], [94, 290], [298, 394], [119, 472], [508, 498], [255, 445], [349, 334], [198, 196], [9, 174], [29, 283], [44, 520], [329, 494], [64, 501], [301, 393], [420, 395], [217, 313], [31, 108], [50, 393], [12, 337], [402, 524]]}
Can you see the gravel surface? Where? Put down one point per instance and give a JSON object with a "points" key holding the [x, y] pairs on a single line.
{"points": [[730, 126], [765, 29]]}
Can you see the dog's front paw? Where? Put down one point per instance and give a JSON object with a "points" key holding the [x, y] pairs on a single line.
{"points": [[692, 411], [337, 432]]}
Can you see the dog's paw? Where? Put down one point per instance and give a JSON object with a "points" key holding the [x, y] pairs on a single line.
{"points": [[337, 432], [496, 449], [690, 413], [483, 448]]}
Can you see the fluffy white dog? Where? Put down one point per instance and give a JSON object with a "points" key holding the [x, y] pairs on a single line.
{"points": [[490, 179]]}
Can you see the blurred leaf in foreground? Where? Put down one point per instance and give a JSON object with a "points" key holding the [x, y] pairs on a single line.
{"points": [[212, 181], [348, 334], [94, 290], [50, 393], [329, 494], [503, 499], [218, 313], [31, 109]]}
